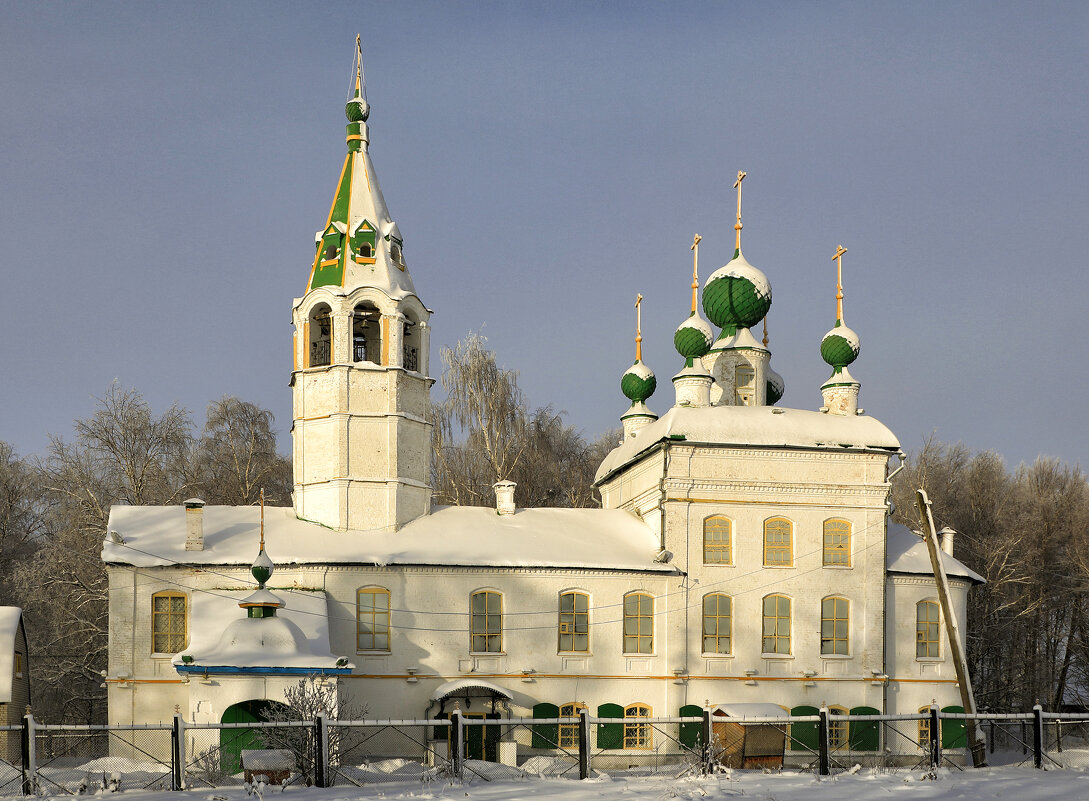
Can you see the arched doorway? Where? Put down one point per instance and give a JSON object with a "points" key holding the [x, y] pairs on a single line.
{"points": [[233, 741]]}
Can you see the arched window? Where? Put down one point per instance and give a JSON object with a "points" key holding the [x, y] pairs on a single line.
{"points": [[168, 622], [372, 619], [778, 542], [927, 630], [639, 736], [362, 242], [924, 728], [837, 543], [718, 541], [319, 337], [574, 621], [366, 333], [776, 637], [835, 624], [744, 385], [486, 622], [717, 623], [638, 623], [837, 728], [569, 732], [410, 346]]}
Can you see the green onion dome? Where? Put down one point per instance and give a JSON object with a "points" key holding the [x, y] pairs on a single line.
{"points": [[262, 568], [638, 383], [840, 346], [737, 295], [693, 337], [775, 387], [357, 109]]}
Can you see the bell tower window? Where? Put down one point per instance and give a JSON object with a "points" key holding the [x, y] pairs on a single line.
{"points": [[411, 343], [366, 334], [363, 243], [319, 337]]}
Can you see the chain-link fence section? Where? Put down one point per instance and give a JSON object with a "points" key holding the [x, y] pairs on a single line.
{"points": [[71, 759], [363, 752], [11, 772], [234, 754]]}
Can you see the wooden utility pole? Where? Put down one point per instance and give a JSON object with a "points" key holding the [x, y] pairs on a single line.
{"points": [[976, 745]]}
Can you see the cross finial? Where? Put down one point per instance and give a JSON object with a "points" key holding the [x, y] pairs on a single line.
{"points": [[262, 518], [737, 226], [838, 259], [638, 328], [357, 68], [695, 269]]}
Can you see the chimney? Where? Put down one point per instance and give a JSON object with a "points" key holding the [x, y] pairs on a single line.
{"points": [[504, 497], [947, 539], [194, 524]]}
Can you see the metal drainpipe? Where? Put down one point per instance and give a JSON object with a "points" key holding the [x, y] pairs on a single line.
{"points": [[885, 592], [132, 661]]}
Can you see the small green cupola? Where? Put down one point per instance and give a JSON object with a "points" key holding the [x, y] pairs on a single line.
{"points": [[839, 348], [693, 337], [262, 603], [637, 383]]}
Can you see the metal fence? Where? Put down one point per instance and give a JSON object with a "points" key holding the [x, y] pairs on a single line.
{"points": [[36, 758]]}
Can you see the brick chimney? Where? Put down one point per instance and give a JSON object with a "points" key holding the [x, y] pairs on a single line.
{"points": [[194, 524]]}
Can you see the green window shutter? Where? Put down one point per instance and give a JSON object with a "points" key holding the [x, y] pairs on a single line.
{"points": [[953, 735], [864, 735], [690, 732], [610, 735], [545, 735], [804, 736]]}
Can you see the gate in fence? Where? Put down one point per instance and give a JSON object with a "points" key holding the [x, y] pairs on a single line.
{"points": [[59, 759]]}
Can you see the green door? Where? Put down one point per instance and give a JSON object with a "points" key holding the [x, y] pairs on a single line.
{"points": [[482, 742], [233, 741]]}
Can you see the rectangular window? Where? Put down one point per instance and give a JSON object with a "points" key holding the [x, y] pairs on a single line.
{"points": [[776, 639], [638, 624], [927, 623], [574, 622], [717, 544], [486, 623], [638, 735], [569, 732], [837, 728], [717, 621], [744, 384], [18, 665], [167, 622], [778, 543], [837, 543], [834, 625], [372, 619]]}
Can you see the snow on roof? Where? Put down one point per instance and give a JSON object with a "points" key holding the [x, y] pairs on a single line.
{"points": [[906, 552], [457, 685], [769, 426], [451, 535], [751, 710], [9, 631], [222, 635]]}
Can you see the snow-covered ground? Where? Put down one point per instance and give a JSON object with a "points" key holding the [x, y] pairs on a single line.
{"points": [[1013, 783]]}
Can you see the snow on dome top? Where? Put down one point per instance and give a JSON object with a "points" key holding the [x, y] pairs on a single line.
{"points": [[693, 337], [736, 295], [262, 568], [840, 346], [638, 382]]}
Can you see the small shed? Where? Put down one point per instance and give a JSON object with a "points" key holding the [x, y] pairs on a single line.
{"points": [[748, 745], [14, 680], [270, 765]]}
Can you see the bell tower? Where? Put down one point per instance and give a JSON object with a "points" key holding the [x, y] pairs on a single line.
{"points": [[361, 429]]}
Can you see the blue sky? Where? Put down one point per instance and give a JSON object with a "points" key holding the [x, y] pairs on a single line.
{"points": [[163, 168]]}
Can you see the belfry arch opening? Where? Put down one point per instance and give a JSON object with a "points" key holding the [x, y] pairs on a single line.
{"points": [[411, 345], [366, 333], [319, 348]]}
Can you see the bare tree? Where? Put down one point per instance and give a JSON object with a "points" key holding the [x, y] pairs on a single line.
{"points": [[20, 515]]}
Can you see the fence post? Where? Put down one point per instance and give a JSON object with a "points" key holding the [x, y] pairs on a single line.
{"points": [[706, 733], [1059, 735], [823, 761], [584, 743], [1038, 737], [30, 766], [991, 721], [935, 737], [177, 753], [457, 740], [321, 750]]}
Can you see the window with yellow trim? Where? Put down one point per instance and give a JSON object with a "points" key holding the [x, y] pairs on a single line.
{"points": [[837, 543], [372, 617], [718, 541], [639, 736], [744, 385], [927, 630], [638, 623], [924, 728], [835, 625], [569, 732], [776, 636], [486, 622], [837, 728], [168, 622], [574, 622], [778, 542], [717, 623]]}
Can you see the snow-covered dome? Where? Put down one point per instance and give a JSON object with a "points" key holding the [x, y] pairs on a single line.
{"points": [[638, 382], [693, 337], [736, 295], [775, 387], [840, 346]]}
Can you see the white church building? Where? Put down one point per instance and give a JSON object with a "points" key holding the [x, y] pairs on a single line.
{"points": [[743, 551]]}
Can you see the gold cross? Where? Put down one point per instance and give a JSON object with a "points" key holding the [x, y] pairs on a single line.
{"points": [[737, 226], [638, 328], [838, 259], [695, 269]]}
